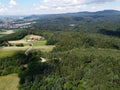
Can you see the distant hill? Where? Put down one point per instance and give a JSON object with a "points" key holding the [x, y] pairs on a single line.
{"points": [[108, 12], [104, 12], [80, 21]]}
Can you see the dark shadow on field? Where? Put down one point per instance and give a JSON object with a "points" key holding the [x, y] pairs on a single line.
{"points": [[109, 32]]}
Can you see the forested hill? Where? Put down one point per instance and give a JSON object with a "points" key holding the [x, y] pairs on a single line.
{"points": [[85, 21]]}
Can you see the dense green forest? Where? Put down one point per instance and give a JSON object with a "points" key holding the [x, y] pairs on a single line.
{"points": [[80, 61], [81, 21], [78, 69]]}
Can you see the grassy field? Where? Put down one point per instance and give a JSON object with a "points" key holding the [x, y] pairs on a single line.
{"points": [[9, 82], [39, 43], [35, 43], [44, 48], [10, 51], [1, 35], [5, 32], [7, 52], [26, 37]]}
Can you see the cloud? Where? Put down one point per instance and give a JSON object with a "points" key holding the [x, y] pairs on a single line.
{"points": [[12, 3], [56, 6], [67, 5], [9, 7], [100, 1], [2, 8]]}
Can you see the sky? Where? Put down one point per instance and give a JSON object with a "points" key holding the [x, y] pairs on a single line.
{"points": [[28, 7]]}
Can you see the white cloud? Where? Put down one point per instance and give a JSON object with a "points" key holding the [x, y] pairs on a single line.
{"points": [[61, 6], [9, 7], [12, 3], [56, 6], [2, 8]]}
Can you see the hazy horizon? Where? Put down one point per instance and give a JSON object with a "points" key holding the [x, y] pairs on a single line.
{"points": [[54, 13], [41, 7]]}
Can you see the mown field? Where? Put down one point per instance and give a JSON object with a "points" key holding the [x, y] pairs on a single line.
{"points": [[6, 52], [9, 82], [5, 32], [34, 43], [1, 35]]}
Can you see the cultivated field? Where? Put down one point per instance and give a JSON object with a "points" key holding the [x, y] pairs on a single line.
{"points": [[35, 43], [9, 51], [6, 32], [17, 41], [9, 82], [1, 35], [4, 52]]}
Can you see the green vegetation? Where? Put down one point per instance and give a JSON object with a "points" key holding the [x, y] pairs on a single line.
{"points": [[78, 69], [9, 82], [79, 61], [91, 22], [39, 43], [22, 42], [7, 53], [34, 43], [1, 35], [69, 40], [70, 58], [5, 32]]}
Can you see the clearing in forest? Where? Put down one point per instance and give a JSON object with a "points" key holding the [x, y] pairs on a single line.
{"points": [[35, 40]]}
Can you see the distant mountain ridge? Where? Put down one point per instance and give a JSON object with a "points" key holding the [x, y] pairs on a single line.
{"points": [[103, 12], [108, 12], [87, 21]]}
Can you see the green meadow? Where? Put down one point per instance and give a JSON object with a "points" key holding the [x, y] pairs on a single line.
{"points": [[9, 82], [7, 53]]}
